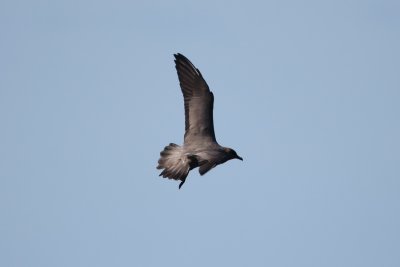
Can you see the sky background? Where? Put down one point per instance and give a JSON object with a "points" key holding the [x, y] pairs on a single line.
{"points": [[307, 92]]}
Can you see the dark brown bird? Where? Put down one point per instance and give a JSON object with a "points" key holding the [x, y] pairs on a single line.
{"points": [[200, 148]]}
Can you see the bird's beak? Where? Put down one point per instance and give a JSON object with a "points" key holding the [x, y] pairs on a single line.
{"points": [[239, 158]]}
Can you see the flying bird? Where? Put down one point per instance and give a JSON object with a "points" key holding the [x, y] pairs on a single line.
{"points": [[200, 148]]}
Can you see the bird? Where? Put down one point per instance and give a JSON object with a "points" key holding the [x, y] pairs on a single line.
{"points": [[200, 147]]}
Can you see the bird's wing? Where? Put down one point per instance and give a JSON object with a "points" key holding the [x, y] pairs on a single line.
{"points": [[199, 101]]}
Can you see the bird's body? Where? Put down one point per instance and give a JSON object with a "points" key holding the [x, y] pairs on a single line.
{"points": [[200, 148]]}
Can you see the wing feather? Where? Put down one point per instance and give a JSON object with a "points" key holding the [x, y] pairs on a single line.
{"points": [[198, 100]]}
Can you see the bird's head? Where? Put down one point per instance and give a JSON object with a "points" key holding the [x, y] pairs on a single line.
{"points": [[232, 153]]}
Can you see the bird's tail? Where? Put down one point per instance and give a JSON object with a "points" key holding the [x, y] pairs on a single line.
{"points": [[174, 163]]}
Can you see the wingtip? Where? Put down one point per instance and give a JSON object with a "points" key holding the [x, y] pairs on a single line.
{"points": [[179, 56]]}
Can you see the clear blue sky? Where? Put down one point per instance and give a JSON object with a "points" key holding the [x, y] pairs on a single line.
{"points": [[307, 92]]}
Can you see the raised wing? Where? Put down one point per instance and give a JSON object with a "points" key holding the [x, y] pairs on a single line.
{"points": [[199, 101]]}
